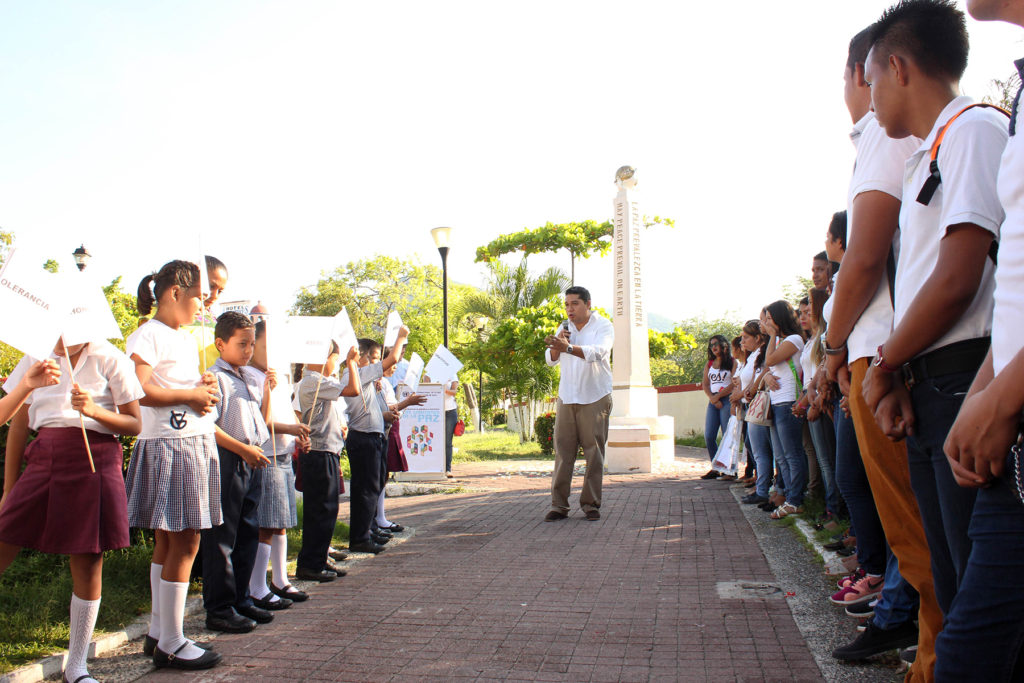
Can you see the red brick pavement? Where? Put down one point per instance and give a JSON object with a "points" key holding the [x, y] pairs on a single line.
{"points": [[485, 590]]}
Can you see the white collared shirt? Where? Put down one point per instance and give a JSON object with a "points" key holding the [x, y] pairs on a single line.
{"points": [[588, 379], [1008, 316], [102, 370], [969, 162], [881, 161]]}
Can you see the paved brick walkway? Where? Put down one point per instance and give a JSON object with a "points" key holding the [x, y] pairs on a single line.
{"points": [[485, 590]]}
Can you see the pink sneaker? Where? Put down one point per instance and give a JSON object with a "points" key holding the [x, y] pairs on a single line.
{"points": [[851, 579], [864, 590]]}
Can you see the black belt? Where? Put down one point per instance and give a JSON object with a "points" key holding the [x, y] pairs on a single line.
{"points": [[962, 356]]}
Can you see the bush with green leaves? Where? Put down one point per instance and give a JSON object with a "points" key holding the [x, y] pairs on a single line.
{"points": [[544, 429]]}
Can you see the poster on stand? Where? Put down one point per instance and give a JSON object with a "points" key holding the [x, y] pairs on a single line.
{"points": [[422, 430]]}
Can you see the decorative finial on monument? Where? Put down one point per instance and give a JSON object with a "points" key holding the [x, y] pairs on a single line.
{"points": [[625, 177]]}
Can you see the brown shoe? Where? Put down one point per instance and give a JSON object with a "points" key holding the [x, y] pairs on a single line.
{"points": [[554, 516], [592, 515]]}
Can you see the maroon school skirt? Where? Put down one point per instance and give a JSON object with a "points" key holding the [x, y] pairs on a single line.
{"points": [[58, 505], [396, 461]]}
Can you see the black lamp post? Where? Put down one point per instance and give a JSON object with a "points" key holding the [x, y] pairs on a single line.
{"points": [[82, 257], [441, 237]]}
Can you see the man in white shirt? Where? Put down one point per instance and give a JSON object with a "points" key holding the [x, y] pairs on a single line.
{"points": [[860, 320], [583, 349], [985, 629], [942, 315]]}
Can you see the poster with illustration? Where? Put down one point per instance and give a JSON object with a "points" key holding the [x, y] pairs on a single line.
{"points": [[422, 429]]}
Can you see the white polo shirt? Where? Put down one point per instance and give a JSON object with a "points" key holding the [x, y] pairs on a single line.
{"points": [[879, 168], [587, 379], [1008, 316], [969, 162]]}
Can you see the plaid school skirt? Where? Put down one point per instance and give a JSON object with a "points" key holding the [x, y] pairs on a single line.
{"points": [[58, 505], [174, 484], [276, 509]]}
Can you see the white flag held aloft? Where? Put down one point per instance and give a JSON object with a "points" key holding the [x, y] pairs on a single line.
{"points": [[89, 317], [305, 338], [413, 372], [343, 334], [392, 328], [443, 366], [33, 305]]}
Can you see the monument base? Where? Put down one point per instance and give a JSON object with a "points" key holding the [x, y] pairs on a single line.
{"points": [[420, 476], [638, 445]]}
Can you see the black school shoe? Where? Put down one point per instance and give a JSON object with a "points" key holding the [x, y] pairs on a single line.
{"points": [[367, 547], [875, 641], [228, 623], [290, 592], [380, 539], [149, 645], [260, 616], [207, 660], [271, 605], [321, 575], [712, 474], [753, 499]]}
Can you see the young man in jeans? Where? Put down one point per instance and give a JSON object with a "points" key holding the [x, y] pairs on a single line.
{"points": [[861, 319], [944, 282], [985, 625]]}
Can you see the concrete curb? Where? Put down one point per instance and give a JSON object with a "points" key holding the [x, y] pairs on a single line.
{"points": [[54, 664]]}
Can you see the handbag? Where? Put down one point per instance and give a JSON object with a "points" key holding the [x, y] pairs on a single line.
{"points": [[759, 410], [460, 428]]}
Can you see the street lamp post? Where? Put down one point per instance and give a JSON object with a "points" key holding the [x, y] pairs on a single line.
{"points": [[480, 324], [441, 237], [82, 257]]}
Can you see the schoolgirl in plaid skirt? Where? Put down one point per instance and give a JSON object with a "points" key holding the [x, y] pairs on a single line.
{"points": [[173, 479]]}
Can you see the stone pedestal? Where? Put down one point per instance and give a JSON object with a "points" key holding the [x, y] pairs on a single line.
{"points": [[638, 439]]}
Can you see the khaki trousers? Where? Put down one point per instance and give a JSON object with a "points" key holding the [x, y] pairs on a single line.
{"points": [[886, 465], [580, 425]]}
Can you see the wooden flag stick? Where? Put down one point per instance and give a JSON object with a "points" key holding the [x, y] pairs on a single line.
{"points": [[81, 419], [270, 419], [316, 393]]}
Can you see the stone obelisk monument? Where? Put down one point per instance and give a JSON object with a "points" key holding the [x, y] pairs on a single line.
{"points": [[638, 439]]}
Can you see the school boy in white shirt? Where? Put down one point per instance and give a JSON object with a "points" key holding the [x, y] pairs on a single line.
{"points": [[860, 320], [984, 629], [583, 349], [944, 279]]}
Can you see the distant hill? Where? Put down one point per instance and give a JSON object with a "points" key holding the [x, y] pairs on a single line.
{"points": [[660, 323]]}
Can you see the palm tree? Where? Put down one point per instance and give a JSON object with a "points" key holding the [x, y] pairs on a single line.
{"points": [[510, 288]]}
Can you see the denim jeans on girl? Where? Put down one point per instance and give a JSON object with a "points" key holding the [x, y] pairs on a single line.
{"points": [[715, 421], [788, 444], [823, 434], [761, 451], [853, 484], [984, 629], [898, 602], [945, 506]]}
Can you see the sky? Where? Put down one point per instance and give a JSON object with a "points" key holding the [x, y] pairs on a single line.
{"points": [[292, 138]]}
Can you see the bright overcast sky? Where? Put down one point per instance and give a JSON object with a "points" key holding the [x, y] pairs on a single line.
{"points": [[297, 136]]}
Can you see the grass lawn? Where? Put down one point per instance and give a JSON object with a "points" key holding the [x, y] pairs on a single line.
{"points": [[497, 443], [35, 594], [694, 439]]}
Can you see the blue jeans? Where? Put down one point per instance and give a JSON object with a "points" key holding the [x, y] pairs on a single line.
{"points": [[823, 435], [899, 601], [853, 484], [451, 418], [788, 444], [715, 420], [945, 507], [984, 629], [761, 452]]}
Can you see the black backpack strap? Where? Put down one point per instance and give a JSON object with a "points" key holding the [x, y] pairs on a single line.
{"points": [[890, 271]]}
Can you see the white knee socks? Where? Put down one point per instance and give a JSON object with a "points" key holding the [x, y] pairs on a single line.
{"points": [[172, 617], [258, 580], [83, 620], [154, 589], [382, 521], [279, 560]]}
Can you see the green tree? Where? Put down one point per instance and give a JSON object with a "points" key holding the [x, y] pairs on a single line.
{"points": [[123, 306], [51, 265], [510, 289], [1003, 91], [581, 240], [796, 291], [685, 364]]}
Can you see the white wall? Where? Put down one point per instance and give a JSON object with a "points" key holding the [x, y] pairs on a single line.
{"points": [[687, 407]]}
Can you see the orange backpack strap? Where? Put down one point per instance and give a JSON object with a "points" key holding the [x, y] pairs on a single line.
{"points": [[935, 179]]}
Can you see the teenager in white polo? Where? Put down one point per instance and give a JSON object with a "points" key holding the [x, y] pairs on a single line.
{"points": [[949, 222], [583, 349], [984, 629]]}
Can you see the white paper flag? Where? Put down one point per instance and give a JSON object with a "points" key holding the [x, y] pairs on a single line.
{"points": [[307, 339], [89, 317], [32, 305], [343, 333], [394, 324], [443, 366], [414, 371]]}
